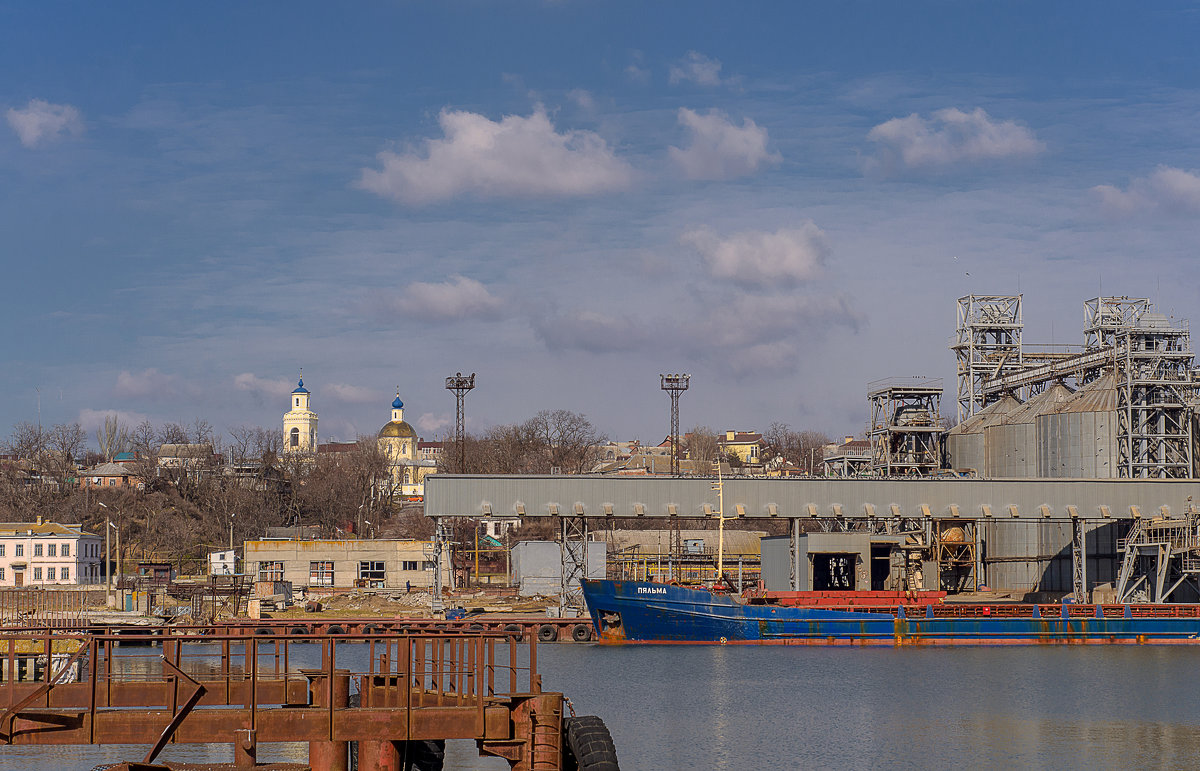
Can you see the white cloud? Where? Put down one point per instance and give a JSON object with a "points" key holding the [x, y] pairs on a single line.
{"points": [[719, 149], [747, 330], [458, 298], [515, 156], [589, 331], [1168, 189], [949, 137], [40, 122], [351, 393], [765, 332], [431, 425], [583, 98], [90, 419], [147, 384], [248, 381], [637, 70], [697, 68], [787, 256]]}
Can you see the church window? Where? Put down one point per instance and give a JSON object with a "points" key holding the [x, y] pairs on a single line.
{"points": [[297, 401], [295, 437]]}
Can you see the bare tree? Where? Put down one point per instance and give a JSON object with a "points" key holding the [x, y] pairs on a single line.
{"points": [[568, 439], [172, 433], [201, 432], [267, 445], [112, 437], [27, 441], [803, 449], [702, 444], [143, 437], [63, 443]]}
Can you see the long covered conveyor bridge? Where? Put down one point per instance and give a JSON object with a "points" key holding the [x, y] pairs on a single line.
{"points": [[585, 496], [1017, 513]]}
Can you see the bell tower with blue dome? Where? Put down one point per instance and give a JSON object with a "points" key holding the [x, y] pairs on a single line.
{"points": [[300, 422]]}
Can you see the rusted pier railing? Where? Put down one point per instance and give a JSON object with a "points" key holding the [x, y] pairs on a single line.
{"points": [[391, 693], [545, 629]]}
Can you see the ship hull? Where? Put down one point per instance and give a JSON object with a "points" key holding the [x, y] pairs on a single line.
{"points": [[638, 612]]}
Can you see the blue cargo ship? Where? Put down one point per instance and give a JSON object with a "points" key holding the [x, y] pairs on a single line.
{"points": [[641, 612]]}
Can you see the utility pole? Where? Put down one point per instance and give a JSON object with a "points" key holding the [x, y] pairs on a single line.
{"points": [[108, 601], [460, 384], [107, 565]]}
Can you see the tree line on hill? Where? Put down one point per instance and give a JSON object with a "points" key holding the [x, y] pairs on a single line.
{"points": [[247, 482]]}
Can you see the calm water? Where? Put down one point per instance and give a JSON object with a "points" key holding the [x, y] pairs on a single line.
{"points": [[683, 707]]}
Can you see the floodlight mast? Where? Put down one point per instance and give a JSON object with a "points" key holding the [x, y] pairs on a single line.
{"points": [[674, 385], [460, 384]]}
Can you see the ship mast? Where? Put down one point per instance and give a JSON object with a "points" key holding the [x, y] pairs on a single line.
{"points": [[719, 486]]}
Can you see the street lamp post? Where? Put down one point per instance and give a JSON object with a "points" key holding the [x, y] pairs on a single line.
{"points": [[107, 560], [118, 568]]}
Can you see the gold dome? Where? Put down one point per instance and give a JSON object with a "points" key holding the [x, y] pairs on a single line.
{"points": [[396, 430]]}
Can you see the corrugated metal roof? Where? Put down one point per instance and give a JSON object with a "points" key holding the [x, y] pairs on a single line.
{"points": [[1044, 402], [1100, 395], [107, 470], [656, 497]]}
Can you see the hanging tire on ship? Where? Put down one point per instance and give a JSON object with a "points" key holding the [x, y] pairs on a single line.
{"points": [[547, 633], [589, 745], [581, 633], [515, 631]]}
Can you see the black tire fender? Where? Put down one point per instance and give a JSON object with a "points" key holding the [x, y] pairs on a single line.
{"points": [[515, 631], [589, 745], [581, 633], [547, 633]]}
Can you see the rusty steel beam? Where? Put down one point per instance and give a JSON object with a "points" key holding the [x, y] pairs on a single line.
{"points": [[292, 724]]}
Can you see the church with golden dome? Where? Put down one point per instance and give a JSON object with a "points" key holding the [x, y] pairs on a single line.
{"points": [[398, 443]]}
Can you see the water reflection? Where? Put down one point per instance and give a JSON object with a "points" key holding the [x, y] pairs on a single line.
{"points": [[685, 707]]}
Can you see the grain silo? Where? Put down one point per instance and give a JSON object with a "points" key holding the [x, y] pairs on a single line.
{"points": [[965, 442], [1011, 445], [1078, 438]]}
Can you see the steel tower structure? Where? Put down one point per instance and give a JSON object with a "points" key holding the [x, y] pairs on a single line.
{"points": [[460, 384], [906, 426], [674, 385], [987, 343]]}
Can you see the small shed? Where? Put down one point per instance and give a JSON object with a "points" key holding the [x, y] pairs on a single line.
{"points": [[222, 563], [155, 573]]}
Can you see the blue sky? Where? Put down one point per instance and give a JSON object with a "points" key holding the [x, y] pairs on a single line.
{"points": [[568, 198]]}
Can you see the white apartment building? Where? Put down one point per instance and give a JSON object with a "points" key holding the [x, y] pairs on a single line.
{"points": [[48, 554]]}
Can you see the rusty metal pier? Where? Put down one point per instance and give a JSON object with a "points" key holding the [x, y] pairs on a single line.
{"points": [[391, 693]]}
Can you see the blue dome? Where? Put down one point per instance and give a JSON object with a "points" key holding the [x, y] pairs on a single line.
{"points": [[397, 404], [300, 389]]}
